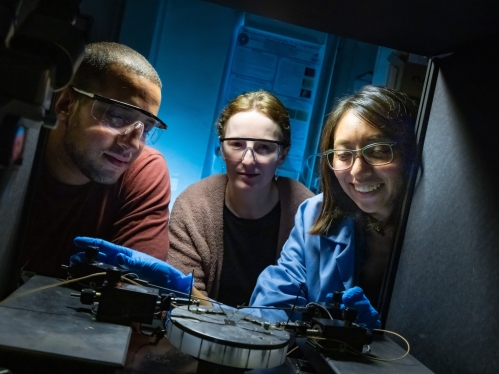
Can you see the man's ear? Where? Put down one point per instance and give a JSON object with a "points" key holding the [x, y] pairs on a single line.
{"points": [[284, 154], [63, 104]]}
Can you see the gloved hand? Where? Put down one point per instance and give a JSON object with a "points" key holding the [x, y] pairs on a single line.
{"points": [[366, 314], [148, 268]]}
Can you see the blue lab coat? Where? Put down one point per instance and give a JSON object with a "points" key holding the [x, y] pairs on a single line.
{"points": [[321, 263]]}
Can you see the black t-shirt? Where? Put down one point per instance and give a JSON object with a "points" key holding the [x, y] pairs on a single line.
{"points": [[250, 245]]}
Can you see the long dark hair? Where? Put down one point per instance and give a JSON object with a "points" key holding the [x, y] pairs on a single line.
{"points": [[394, 114]]}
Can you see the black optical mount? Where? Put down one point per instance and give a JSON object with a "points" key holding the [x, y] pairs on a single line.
{"points": [[328, 335], [115, 299]]}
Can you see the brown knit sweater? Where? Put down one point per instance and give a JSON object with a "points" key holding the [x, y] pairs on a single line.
{"points": [[196, 227]]}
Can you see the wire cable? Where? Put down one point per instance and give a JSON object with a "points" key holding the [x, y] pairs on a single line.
{"points": [[291, 351], [321, 307], [180, 293], [397, 358], [345, 345], [50, 286], [356, 352]]}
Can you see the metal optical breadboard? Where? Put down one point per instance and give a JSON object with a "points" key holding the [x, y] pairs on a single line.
{"points": [[226, 337]]}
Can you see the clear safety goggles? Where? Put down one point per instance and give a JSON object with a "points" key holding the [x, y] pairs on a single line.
{"points": [[264, 151], [123, 118]]}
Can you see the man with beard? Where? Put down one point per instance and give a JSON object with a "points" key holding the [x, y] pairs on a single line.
{"points": [[98, 178]]}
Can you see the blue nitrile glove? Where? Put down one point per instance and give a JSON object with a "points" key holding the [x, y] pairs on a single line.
{"points": [[148, 268], [366, 314]]}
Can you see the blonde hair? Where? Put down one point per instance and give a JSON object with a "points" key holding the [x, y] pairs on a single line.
{"points": [[262, 101]]}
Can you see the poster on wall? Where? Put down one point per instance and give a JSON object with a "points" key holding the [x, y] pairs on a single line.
{"points": [[287, 67]]}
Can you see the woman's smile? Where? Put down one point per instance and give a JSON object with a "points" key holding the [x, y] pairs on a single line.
{"points": [[374, 189]]}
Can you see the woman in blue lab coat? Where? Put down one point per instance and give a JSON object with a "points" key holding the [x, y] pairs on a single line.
{"points": [[343, 237]]}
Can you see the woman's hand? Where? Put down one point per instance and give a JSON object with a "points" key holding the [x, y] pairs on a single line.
{"points": [[366, 314]]}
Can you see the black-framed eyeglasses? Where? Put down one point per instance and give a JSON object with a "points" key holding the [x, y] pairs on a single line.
{"points": [[122, 118], [375, 154], [263, 150]]}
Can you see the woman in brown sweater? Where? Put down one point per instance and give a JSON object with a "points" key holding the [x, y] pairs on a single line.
{"points": [[227, 228]]}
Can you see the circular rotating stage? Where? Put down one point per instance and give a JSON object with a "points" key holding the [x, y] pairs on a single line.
{"points": [[227, 337]]}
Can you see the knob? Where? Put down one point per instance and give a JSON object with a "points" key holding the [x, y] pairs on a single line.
{"points": [[113, 276], [349, 315], [91, 253], [337, 297], [87, 296]]}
